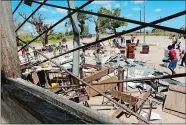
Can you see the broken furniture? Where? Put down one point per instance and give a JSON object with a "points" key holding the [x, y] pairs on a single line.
{"points": [[145, 49], [130, 50], [134, 103], [175, 101]]}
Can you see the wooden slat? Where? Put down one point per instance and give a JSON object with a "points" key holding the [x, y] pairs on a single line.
{"points": [[98, 75], [124, 97], [102, 87], [142, 100], [35, 78], [177, 88], [91, 66], [117, 112], [175, 101]]}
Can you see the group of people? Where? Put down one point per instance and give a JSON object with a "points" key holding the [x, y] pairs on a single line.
{"points": [[61, 48], [116, 42], [176, 44], [26, 53]]}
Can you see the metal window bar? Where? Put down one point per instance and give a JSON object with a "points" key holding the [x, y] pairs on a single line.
{"points": [[17, 7], [119, 18], [122, 33], [31, 15], [87, 3]]}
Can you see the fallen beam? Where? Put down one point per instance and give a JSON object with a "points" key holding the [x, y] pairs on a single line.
{"points": [[99, 74], [101, 88], [91, 66], [124, 97]]}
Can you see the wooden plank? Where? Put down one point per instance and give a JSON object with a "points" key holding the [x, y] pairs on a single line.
{"points": [[101, 87], [117, 113], [177, 88], [142, 99], [175, 101], [91, 66], [98, 75], [120, 77], [124, 97], [35, 78]]}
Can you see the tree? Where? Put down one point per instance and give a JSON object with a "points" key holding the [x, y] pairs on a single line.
{"points": [[40, 26], [114, 24], [85, 30], [110, 24], [17, 24], [82, 17]]}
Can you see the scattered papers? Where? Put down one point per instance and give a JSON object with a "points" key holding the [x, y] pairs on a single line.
{"points": [[154, 116]]}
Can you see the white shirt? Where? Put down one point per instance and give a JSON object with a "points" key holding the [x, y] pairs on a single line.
{"points": [[173, 40], [179, 42]]}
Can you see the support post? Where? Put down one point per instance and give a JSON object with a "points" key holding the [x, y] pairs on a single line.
{"points": [[120, 77], [76, 41], [10, 63]]}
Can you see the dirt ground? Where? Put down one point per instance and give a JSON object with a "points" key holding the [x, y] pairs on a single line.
{"points": [[154, 58]]}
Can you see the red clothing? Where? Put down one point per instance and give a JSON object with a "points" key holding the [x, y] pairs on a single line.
{"points": [[23, 52], [172, 55]]}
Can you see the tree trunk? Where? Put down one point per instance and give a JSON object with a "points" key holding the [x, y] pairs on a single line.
{"points": [[115, 32], [44, 39], [97, 34], [10, 63]]}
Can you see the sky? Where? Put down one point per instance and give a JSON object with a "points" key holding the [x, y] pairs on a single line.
{"points": [[129, 9]]}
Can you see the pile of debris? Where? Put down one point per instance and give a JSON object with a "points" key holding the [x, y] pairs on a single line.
{"points": [[142, 98]]}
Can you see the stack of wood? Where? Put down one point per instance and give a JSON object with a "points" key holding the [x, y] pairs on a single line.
{"points": [[130, 50]]}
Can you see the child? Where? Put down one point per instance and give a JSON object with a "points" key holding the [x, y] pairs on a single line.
{"points": [[35, 54], [178, 44], [182, 57], [174, 41], [97, 55], [23, 52], [54, 49], [173, 59], [60, 48], [49, 48]]}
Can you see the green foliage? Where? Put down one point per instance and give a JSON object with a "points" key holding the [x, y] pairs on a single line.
{"points": [[56, 37], [82, 17], [107, 23], [103, 23], [85, 30]]}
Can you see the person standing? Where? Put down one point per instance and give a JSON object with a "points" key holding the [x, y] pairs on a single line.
{"points": [[174, 41], [178, 44], [82, 55], [97, 55], [173, 59], [35, 54], [23, 53], [27, 54], [66, 49], [110, 42], [60, 48], [54, 49], [132, 38], [183, 60]]}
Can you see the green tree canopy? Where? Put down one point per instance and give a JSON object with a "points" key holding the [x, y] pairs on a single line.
{"points": [[110, 24]]}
